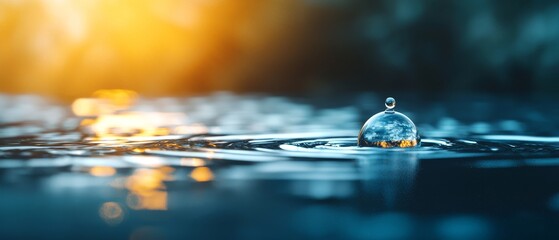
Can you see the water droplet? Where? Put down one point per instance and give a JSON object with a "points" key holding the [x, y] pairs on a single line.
{"points": [[390, 103], [389, 129]]}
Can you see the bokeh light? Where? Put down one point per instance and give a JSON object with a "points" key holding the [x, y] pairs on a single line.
{"points": [[112, 213], [147, 188], [102, 171], [202, 174], [69, 49]]}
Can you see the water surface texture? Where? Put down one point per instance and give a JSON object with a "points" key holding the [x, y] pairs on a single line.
{"points": [[263, 167]]}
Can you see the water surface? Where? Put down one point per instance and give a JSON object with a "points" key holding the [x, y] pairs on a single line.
{"points": [[263, 167]]}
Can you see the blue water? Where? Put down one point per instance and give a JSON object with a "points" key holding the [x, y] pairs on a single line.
{"points": [[262, 167]]}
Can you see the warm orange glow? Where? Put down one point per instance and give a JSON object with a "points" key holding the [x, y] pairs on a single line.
{"points": [[135, 124], [113, 120], [105, 101], [102, 171], [156, 200], [384, 144], [70, 48], [117, 97], [138, 150], [202, 174], [111, 212], [87, 122], [402, 144], [90, 107], [408, 143], [147, 190], [145, 180]]}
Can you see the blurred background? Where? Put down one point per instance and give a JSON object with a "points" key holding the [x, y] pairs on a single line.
{"points": [[68, 49]]}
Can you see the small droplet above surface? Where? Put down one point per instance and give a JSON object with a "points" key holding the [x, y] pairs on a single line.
{"points": [[390, 103], [389, 129]]}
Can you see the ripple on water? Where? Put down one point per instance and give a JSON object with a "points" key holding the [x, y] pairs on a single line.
{"points": [[303, 134], [280, 147]]}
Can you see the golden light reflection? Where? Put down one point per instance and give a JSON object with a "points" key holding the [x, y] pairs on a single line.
{"points": [[147, 188], [104, 101], [111, 212], [408, 143], [202, 174], [102, 171], [87, 122], [137, 124], [109, 117], [155, 200], [401, 144], [138, 150], [90, 107], [133, 124]]}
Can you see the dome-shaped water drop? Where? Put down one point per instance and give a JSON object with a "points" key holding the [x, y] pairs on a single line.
{"points": [[389, 129]]}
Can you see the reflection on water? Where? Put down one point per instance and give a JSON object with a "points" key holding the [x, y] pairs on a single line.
{"points": [[202, 174], [220, 166], [147, 190], [111, 212], [102, 171], [110, 118]]}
